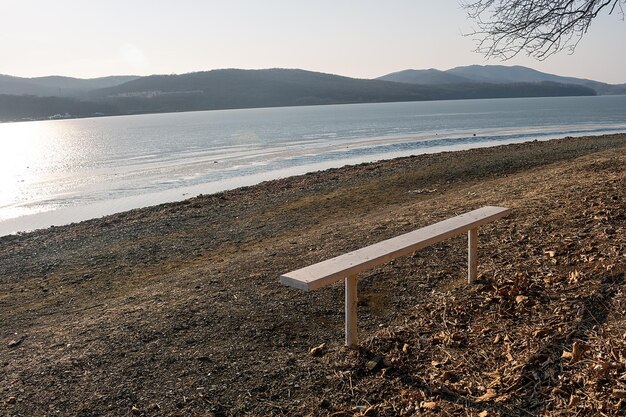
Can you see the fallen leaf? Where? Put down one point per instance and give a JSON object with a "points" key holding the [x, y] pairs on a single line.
{"points": [[456, 336], [374, 363], [503, 398], [489, 395], [447, 375], [578, 349], [318, 350], [520, 299], [619, 393], [601, 370], [573, 276], [428, 405]]}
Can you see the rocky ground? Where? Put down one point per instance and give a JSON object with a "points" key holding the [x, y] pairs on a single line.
{"points": [[176, 310]]}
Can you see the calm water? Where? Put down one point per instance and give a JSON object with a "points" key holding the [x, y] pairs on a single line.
{"points": [[56, 172]]}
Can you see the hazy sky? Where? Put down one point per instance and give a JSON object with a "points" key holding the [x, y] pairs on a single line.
{"points": [[358, 38]]}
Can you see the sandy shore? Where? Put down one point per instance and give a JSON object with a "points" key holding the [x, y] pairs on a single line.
{"points": [[177, 309]]}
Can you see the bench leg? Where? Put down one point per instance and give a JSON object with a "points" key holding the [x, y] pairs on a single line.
{"points": [[472, 255], [352, 338]]}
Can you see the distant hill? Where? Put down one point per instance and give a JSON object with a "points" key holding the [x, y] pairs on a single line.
{"points": [[57, 86], [507, 74], [80, 85], [425, 77], [235, 88], [496, 74]]}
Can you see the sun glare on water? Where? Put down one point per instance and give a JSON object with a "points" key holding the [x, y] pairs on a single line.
{"points": [[25, 159]]}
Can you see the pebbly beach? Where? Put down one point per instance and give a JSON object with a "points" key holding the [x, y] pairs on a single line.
{"points": [[176, 309]]}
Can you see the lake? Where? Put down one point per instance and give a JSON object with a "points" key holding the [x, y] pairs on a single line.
{"points": [[62, 171]]}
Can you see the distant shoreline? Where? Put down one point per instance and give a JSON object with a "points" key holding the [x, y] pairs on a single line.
{"points": [[74, 117]]}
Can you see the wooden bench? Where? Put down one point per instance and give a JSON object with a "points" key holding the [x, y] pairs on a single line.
{"points": [[349, 265]]}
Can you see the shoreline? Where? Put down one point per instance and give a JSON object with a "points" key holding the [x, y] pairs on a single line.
{"points": [[75, 214], [52, 118], [176, 309]]}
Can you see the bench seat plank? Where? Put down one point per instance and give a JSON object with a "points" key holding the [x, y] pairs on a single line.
{"points": [[326, 272]]}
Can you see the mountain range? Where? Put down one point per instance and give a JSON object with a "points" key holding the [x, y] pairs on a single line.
{"points": [[60, 97], [495, 74], [58, 86]]}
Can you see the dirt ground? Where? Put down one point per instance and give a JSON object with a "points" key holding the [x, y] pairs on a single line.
{"points": [[177, 310]]}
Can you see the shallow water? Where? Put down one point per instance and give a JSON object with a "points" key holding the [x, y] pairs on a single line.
{"points": [[57, 172]]}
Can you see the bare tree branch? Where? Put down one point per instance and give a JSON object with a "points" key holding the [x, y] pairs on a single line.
{"points": [[538, 27]]}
